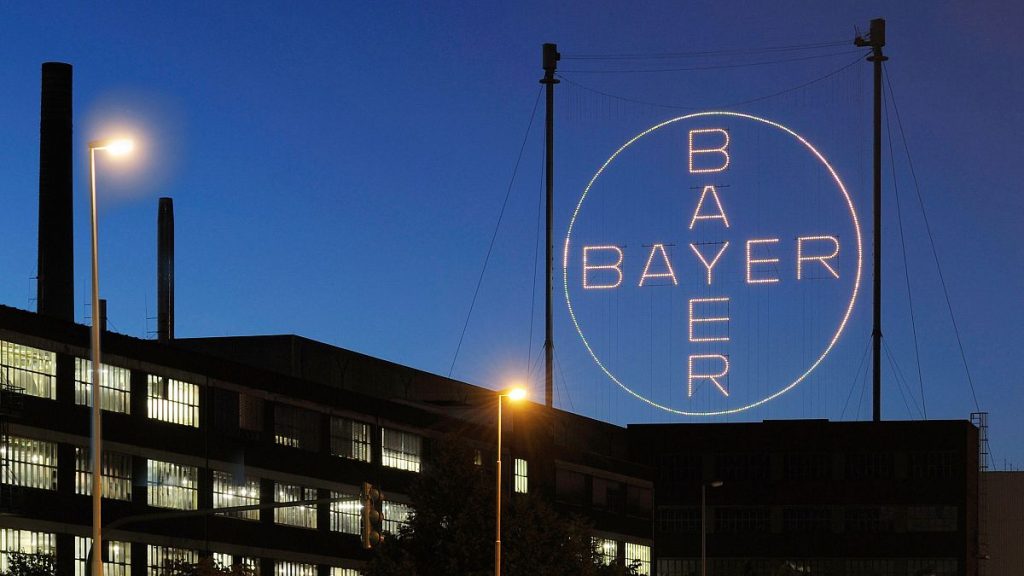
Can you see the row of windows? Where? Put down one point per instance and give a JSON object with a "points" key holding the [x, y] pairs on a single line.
{"points": [[33, 464], [300, 428], [118, 557], [805, 466], [831, 566], [34, 371], [808, 519], [176, 401]]}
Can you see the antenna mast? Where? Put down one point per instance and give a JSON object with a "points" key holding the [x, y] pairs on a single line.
{"points": [[550, 61], [876, 40]]}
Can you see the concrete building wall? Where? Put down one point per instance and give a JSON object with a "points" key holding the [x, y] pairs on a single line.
{"points": [[1004, 523]]}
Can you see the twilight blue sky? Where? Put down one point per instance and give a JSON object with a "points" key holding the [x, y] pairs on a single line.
{"points": [[338, 169]]}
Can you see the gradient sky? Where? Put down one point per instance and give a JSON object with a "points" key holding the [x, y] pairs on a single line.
{"points": [[338, 170]]}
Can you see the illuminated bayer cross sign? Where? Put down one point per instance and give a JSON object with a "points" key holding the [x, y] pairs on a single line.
{"points": [[712, 263]]}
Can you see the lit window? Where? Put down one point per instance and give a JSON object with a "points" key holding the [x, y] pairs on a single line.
{"points": [[303, 515], [227, 561], [30, 369], [296, 428], [253, 564], [400, 449], [118, 562], [607, 550], [229, 491], [115, 386], [173, 401], [346, 514], [395, 515], [117, 474], [350, 439], [29, 463], [293, 569], [521, 481], [639, 554], [336, 571], [222, 560], [160, 557], [171, 485], [24, 542]]}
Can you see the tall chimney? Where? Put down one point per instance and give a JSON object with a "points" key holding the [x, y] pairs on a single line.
{"points": [[55, 289], [165, 271]]}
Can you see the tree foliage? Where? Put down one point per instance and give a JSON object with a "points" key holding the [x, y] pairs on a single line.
{"points": [[205, 567], [451, 530], [23, 564]]}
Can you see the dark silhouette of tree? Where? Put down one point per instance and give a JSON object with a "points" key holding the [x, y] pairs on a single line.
{"points": [[205, 567], [22, 564], [451, 530]]}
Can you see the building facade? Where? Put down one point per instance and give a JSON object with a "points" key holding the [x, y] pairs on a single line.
{"points": [[188, 429], [814, 497]]}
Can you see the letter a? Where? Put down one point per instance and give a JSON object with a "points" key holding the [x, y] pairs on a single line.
{"points": [[669, 272], [720, 215]]}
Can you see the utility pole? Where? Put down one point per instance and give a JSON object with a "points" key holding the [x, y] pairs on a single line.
{"points": [[876, 40], [550, 61]]}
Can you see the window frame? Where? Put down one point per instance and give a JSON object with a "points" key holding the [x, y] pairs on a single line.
{"points": [[407, 455], [118, 485], [172, 491], [115, 386], [162, 407], [31, 370]]}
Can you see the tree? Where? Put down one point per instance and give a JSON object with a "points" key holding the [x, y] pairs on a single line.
{"points": [[451, 530], [23, 564], [205, 567]]}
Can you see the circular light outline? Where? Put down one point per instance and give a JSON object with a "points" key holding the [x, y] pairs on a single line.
{"points": [[842, 324]]}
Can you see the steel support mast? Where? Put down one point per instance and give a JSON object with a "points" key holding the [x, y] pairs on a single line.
{"points": [[550, 61], [876, 40]]}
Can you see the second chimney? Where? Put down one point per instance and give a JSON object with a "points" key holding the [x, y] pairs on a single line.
{"points": [[55, 291], [165, 271]]}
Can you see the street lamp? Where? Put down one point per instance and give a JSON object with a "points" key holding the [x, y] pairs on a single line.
{"points": [[512, 394], [115, 147], [703, 524]]}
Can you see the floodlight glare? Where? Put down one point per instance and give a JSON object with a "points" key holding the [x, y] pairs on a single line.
{"points": [[120, 147]]}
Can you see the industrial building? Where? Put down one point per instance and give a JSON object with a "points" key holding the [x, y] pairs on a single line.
{"points": [[196, 424]]}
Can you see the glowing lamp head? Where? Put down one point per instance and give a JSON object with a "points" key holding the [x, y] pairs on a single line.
{"points": [[121, 147], [114, 146], [516, 393]]}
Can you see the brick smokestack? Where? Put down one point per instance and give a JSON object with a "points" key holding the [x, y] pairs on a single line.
{"points": [[165, 271], [55, 289]]}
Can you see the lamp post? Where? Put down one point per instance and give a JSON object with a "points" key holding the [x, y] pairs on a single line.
{"points": [[703, 523], [116, 147], [512, 394]]}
